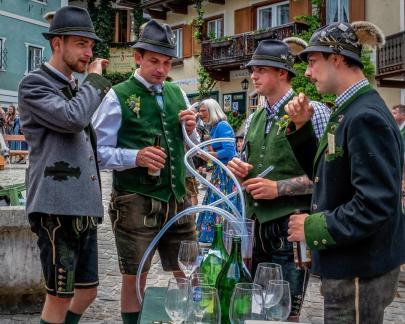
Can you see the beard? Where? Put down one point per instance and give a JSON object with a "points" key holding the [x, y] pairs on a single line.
{"points": [[74, 64]]}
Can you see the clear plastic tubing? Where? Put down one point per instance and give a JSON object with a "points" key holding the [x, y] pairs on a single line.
{"points": [[197, 148], [188, 211], [194, 149]]}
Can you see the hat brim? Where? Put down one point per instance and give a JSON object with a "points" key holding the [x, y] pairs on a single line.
{"points": [[272, 64], [155, 48], [326, 49], [90, 35]]}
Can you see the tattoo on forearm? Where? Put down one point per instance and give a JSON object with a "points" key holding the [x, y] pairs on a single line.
{"points": [[294, 186]]}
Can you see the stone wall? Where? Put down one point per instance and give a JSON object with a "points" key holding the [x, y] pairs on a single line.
{"points": [[21, 282]]}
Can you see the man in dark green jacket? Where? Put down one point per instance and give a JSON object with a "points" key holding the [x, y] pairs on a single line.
{"points": [[148, 180], [272, 198], [355, 229]]}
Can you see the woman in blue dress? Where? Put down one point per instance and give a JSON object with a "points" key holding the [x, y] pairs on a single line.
{"points": [[213, 116]]}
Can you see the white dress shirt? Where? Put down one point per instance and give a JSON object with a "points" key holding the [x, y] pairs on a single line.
{"points": [[107, 122]]}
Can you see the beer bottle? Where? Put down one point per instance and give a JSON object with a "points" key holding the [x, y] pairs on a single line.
{"points": [[156, 144], [302, 255]]}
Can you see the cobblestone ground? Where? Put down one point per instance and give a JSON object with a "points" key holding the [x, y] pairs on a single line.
{"points": [[106, 308]]}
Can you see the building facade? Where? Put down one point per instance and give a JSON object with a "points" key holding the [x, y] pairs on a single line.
{"points": [[22, 47]]}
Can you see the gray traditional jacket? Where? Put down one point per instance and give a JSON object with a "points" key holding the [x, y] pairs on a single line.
{"points": [[62, 177]]}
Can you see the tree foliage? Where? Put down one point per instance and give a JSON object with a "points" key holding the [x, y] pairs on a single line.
{"points": [[301, 83]]}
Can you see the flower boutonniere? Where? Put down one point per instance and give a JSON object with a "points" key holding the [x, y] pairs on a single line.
{"points": [[282, 123], [134, 103]]}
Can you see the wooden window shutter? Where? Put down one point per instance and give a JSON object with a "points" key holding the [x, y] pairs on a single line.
{"points": [[300, 8], [357, 10], [196, 44], [187, 41], [243, 20]]}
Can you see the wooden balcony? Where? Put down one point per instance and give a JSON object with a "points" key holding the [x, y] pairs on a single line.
{"points": [[390, 70], [232, 53]]}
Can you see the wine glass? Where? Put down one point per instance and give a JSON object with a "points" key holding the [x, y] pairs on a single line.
{"points": [[198, 279], [204, 306], [188, 257], [176, 302], [265, 272], [246, 303], [278, 300]]}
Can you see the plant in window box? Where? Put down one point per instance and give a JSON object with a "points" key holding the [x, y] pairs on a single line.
{"points": [[222, 41], [264, 33]]}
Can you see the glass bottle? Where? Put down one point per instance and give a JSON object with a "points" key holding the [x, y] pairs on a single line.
{"points": [[216, 258], [233, 272], [302, 255], [156, 144]]}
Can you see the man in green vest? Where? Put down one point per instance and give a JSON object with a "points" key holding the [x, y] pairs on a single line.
{"points": [[139, 136], [356, 228], [271, 199]]}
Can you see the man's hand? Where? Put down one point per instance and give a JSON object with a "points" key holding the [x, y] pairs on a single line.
{"points": [[189, 118], [239, 168], [296, 227], [261, 188], [151, 157], [97, 66], [299, 110]]}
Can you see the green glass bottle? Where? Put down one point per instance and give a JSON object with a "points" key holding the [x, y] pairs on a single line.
{"points": [[233, 272], [216, 258]]}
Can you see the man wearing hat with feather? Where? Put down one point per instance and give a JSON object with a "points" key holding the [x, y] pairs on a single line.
{"points": [[356, 229], [271, 199]]}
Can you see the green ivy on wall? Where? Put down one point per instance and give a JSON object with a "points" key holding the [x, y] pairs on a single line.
{"points": [[301, 83], [117, 77], [205, 82], [235, 120], [102, 16]]}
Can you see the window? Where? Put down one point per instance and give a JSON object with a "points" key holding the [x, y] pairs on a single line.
{"points": [[272, 15], [3, 55], [34, 57], [337, 10], [178, 36], [215, 28]]}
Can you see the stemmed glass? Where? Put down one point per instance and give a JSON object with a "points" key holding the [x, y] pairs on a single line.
{"points": [[246, 303], [198, 279], [278, 300], [188, 257], [176, 302], [204, 306], [266, 272]]}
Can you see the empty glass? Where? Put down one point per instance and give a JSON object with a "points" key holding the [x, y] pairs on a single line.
{"points": [[198, 279], [204, 306], [246, 303], [176, 302], [278, 300], [188, 257], [265, 272]]}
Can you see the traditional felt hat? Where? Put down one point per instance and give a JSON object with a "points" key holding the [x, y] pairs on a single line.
{"points": [[71, 20], [273, 53], [157, 38], [344, 39]]}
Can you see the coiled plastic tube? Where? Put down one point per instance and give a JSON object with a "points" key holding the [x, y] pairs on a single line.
{"points": [[188, 211]]}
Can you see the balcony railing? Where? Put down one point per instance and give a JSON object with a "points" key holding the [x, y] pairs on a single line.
{"points": [[236, 50], [391, 60]]}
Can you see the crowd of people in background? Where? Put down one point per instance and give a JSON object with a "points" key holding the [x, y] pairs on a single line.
{"points": [[10, 124]]}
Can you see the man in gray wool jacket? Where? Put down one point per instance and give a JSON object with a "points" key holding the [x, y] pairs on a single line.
{"points": [[63, 186]]}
